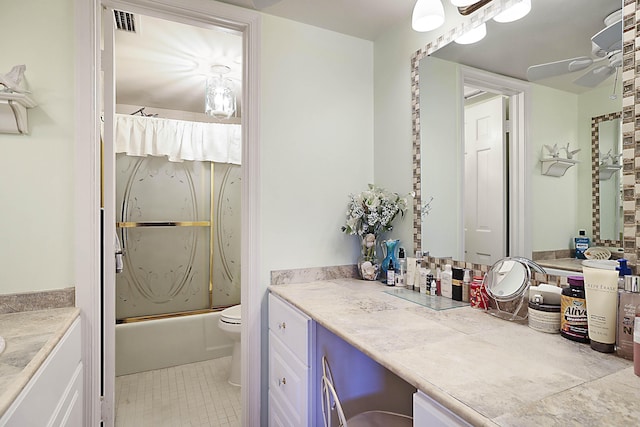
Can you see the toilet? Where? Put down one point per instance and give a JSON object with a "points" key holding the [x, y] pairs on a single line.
{"points": [[231, 323]]}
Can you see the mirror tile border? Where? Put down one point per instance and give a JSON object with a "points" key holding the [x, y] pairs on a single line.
{"points": [[595, 177], [630, 120]]}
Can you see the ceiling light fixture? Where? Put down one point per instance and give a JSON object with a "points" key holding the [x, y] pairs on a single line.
{"points": [[427, 15], [220, 100], [515, 12], [473, 36], [463, 3]]}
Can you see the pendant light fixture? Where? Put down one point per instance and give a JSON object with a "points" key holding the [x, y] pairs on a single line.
{"points": [[220, 100], [515, 12], [463, 3], [427, 15], [473, 36]]}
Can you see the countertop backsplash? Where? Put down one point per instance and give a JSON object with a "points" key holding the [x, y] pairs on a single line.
{"points": [[40, 300]]}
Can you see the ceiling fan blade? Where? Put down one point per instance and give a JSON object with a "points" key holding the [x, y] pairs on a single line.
{"points": [[596, 76], [261, 4], [610, 38], [552, 69]]}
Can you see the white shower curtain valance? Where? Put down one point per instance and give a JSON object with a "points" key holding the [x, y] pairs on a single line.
{"points": [[178, 140]]}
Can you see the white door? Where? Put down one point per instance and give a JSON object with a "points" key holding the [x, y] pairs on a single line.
{"points": [[485, 181]]}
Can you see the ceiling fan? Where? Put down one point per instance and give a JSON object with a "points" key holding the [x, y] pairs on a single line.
{"points": [[606, 47]]}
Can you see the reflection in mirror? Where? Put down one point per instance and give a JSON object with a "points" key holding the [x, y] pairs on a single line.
{"points": [[607, 198], [560, 113]]}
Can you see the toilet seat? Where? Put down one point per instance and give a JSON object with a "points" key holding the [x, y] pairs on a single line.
{"points": [[231, 315]]}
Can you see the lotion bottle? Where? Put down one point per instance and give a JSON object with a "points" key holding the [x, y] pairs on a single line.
{"points": [[446, 281]]}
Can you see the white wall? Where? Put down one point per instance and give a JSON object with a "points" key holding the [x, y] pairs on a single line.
{"points": [[316, 142], [36, 181]]}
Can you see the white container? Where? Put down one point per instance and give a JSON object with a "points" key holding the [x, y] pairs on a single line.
{"points": [[446, 282]]}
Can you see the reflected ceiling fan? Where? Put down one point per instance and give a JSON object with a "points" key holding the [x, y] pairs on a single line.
{"points": [[606, 47]]}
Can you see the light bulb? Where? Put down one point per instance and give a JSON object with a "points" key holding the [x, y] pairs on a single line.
{"points": [[473, 35], [515, 12], [427, 15]]}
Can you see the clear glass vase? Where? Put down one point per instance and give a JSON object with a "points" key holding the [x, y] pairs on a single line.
{"points": [[368, 264]]}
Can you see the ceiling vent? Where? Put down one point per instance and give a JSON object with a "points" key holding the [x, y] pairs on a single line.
{"points": [[125, 21]]}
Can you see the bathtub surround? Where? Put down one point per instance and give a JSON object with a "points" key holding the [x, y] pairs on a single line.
{"points": [[39, 300]]}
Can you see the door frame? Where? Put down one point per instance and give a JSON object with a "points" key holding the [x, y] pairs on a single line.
{"points": [[519, 209], [88, 101]]}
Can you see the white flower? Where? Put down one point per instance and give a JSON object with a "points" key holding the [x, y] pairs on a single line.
{"points": [[373, 211]]}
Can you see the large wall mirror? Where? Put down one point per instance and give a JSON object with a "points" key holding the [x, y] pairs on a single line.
{"points": [[482, 127]]}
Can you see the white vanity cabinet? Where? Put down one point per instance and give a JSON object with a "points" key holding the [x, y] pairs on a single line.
{"points": [[290, 365], [428, 412], [53, 396]]}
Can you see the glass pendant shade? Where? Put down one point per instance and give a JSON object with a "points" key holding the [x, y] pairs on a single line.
{"points": [[427, 15], [473, 36], [220, 100], [515, 12], [463, 3]]}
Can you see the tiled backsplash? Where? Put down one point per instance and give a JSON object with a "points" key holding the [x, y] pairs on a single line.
{"points": [[32, 301]]}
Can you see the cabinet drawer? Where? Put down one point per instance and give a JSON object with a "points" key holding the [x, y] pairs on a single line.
{"points": [[291, 326], [288, 381], [277, 417]]}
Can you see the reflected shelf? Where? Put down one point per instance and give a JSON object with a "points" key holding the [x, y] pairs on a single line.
{"points": [[556, 166]]}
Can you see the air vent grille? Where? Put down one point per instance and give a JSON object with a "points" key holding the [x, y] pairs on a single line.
{"points": [[125, 21]]}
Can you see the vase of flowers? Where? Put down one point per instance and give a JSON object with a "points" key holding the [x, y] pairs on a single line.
{"points": [[369, 214]]}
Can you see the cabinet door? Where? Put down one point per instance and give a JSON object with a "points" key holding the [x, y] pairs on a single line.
{"points": [[54, 395], [277, 417], [290, 326], [428, 412], [288, 382]]}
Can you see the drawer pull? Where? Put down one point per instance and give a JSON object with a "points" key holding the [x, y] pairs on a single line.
{"points": [[282, 381], [282, 325]]}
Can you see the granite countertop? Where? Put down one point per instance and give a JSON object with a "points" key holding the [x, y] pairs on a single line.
{"points": [[487, 370], [569, 264], [30, 336]]}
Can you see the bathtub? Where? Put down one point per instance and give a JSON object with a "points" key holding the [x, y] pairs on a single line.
{"points": [[155, 344]]}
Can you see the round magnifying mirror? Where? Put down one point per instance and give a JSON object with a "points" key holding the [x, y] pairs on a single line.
{"points": [[507, 279]]}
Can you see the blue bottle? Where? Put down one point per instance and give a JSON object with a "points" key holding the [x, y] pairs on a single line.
{"points": [[389, 248], [581, 244]]}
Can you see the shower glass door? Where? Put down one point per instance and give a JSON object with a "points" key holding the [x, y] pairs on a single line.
{"points": [[177, 226]]}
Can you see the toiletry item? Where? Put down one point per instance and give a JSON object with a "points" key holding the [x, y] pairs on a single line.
{"points": [[423, 280], [573, 309], [434, 287], [457, 276], [636, 345], [544, 317], [416, 280], [581, 242], [428, 284], [623, 271], [445, 281], [545, 293], [410, 274], [477, 293], [466, 282], [601, 291], [391, 274], [402, 268], [628, 304], [438, 281]]}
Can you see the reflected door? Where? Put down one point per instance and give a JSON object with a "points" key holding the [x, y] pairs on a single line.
{"points": [[485, 181]]}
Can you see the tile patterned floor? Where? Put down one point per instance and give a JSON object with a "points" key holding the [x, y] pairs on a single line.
{"points": [[193, 395]]}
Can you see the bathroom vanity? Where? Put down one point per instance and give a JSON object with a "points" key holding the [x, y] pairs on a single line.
{"points": [[466, 365], [41, 369]]}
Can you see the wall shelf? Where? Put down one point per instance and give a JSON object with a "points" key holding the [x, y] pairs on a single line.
{"points": [[607, 171], [556, 166], [13, 112]]}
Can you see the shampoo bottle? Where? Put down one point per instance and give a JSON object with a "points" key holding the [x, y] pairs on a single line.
{"points": [[446, 278]]}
